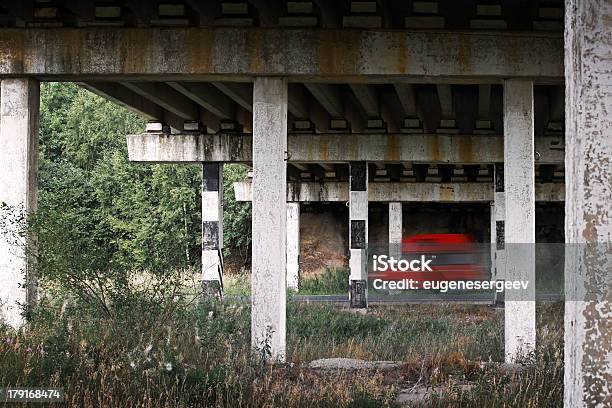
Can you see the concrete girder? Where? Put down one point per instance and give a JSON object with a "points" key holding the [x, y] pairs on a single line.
{"points": [[208, 97], [329, 12], [329, 96], [406, 95], [268, 11], [241, 93], [332, 191], [298, 102], [134, 102], [484, 101], [445, 96], [316, 54], [368, 99], [336, 148], [166, 97]]}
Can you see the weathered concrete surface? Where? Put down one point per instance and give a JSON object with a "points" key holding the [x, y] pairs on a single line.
{"points": [[358, 55], [19, 110], [293, 245], [519, 190], [331, 191], [588, 208], [358, 233], [342, 363], [395, 229], [269, 261], [318, 148], [212, 221]]}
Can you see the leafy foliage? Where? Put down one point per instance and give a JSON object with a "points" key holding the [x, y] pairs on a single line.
{"points": [[102, 220]]}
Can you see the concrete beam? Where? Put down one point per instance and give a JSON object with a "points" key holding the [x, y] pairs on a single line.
{"points": [[332, 191], [368, 99], [337, 148], [134, 102], [208, 97], [484, 101], [175, 53], [588, 220], [445, 96], [298, 101], [269, 260], [241, 93], [19, 113], [329, 96], [519, 190], [166, 97], [406, 95]]}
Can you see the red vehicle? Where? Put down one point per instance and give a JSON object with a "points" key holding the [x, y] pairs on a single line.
{"points": [[446, 257]]}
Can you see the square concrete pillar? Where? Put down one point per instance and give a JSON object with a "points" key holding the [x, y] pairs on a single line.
{"points": [[395, 230], [519, 228], [19, 111], [293, 246], [212, 227], [358, 234], [269, 263], [588, 203], [498, 223]]}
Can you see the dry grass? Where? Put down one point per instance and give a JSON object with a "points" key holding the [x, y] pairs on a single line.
{"points": [[200, 356]]}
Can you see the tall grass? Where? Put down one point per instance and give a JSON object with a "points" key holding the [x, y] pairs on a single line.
{"points": [[333, 281], [193, 355]]}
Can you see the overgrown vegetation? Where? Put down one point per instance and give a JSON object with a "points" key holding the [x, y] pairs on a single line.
{"points": [[182, 354], [118, 323], [332, 281]]}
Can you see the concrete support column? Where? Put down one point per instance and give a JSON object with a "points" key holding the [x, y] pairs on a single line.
{"points": [[212, 226], [498, 223], [269, 262], [293, 245], [588, 208], [19, 111], [395, 229], [358, 234], [519, 227]]}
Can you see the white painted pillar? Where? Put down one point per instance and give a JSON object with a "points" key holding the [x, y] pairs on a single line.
{"points": [[293, 246], [212, 226], [395, 230], [269, 263], [588, 203], [519, 189], [358, 234], [19, 111]]}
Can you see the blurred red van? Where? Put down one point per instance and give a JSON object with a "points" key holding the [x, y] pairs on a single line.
{"points": [[453, 257]]}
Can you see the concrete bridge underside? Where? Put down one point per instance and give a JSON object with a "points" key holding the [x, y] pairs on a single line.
{"points": [[371, 101]]}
